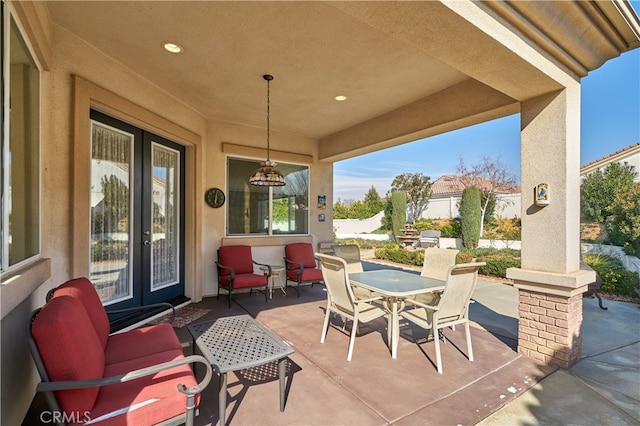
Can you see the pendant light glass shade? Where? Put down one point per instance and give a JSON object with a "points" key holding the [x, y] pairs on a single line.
{"points": [[267, 174]]}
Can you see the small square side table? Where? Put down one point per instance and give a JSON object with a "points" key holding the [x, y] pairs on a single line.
{"points": [[236, 343]]}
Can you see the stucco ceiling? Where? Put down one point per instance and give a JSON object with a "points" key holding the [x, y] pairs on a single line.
{"points": [[381, 55]]}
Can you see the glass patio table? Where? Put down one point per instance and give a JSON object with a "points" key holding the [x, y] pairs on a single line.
{"points": [[395, 286]]}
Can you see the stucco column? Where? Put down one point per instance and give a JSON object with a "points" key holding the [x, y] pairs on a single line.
{"points": [[550, 280]]}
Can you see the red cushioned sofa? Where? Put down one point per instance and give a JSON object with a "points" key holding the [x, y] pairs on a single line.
{"points": [[137, 377]]}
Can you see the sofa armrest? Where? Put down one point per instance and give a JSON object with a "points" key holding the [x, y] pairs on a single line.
{"points": [[133, 375]]}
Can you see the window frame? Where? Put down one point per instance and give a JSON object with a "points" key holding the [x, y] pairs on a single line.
{"points": [[8, 17], [270, 230]]}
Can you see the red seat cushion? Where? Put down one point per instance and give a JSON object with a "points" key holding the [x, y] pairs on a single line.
{"points": [[159, 392], [141, 342], [83, 290], [244, 281], [69, 349], [300, 253], [236, 257], [308, 274]]}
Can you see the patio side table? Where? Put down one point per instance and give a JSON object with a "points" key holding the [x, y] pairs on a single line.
{"points": [[276, 270], [237, 343]]}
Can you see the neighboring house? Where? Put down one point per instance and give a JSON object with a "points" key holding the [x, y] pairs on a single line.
{"points": [[447, 192], [629, 155]]}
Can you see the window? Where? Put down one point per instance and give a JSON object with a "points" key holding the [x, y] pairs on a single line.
{"points": [[20, 218], [263, 210]]}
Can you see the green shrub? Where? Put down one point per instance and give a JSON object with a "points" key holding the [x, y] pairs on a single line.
{"points": [[464, 256], [452, 229], [623, 225], [491, 251], [398, 211], [395, 253], [423, 225], [497, 265], [470, 213], [615, 278]]}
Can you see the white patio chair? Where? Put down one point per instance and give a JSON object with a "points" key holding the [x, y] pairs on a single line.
{"points": [[451, 309], [437, 262], [341, 300], [351, 255]]}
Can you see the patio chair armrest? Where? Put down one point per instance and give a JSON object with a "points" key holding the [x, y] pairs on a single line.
{"points": [[300, 265], [422, 305], [145, 307], [221, 266], [133, 375], [370, 299], [265, 265]]}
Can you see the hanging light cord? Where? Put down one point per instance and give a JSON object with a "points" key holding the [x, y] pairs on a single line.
{"points": [[268, 77]]}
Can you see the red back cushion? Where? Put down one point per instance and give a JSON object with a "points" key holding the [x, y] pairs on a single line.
{"points": [[236, 257], [70, 350], [302, 253], [82, 290]]}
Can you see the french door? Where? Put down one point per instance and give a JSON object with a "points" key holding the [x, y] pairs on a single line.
{"points": [[137, 214]]}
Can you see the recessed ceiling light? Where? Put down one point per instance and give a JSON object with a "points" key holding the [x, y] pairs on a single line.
{"points": [[173, 48], [341, 98]]}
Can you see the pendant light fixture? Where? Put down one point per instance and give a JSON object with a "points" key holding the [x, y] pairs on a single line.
{"points": [[267, 174]]}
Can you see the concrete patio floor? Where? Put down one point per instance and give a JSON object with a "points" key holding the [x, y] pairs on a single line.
{"points": [[500, 387]]}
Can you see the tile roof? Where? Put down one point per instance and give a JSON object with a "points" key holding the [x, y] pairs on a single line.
{"points": [[453, 185], [629, 149]]}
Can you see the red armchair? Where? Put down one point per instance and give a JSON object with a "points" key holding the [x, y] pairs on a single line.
{"points": [[301, 266], [235, 271]]}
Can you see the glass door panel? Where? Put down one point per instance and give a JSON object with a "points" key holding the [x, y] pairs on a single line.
{"points": [[111, 206], [166, 217]]}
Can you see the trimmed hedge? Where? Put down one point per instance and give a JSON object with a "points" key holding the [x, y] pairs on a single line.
{"points": [[395, 253], [615, 278], [497, 265]]}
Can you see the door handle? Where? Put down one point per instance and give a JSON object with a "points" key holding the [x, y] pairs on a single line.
{"points": [[147, 243]]}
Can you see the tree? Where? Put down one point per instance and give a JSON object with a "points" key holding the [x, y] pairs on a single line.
{"points": [[623, 224], [387, 219], [398, 211], [470, 211], [599, 189], [417, 188], [490, 177], [373, 201], [340, 210]]}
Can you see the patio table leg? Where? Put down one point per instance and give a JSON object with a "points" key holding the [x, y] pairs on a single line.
{"points": [[282, 371], [395, 332], [222, 397]]}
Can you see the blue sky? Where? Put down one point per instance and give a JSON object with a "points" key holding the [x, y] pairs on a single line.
{"points": [[610, 121]]}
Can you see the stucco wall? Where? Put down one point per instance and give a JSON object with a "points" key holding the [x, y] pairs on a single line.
{"points": [[63, 171], [447, 208]]}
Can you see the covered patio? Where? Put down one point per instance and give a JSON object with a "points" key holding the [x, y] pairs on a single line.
{"points": [[409, 70], [499, 387]]}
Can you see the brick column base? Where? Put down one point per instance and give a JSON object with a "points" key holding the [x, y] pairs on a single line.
{"points": [[549, 327]]}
